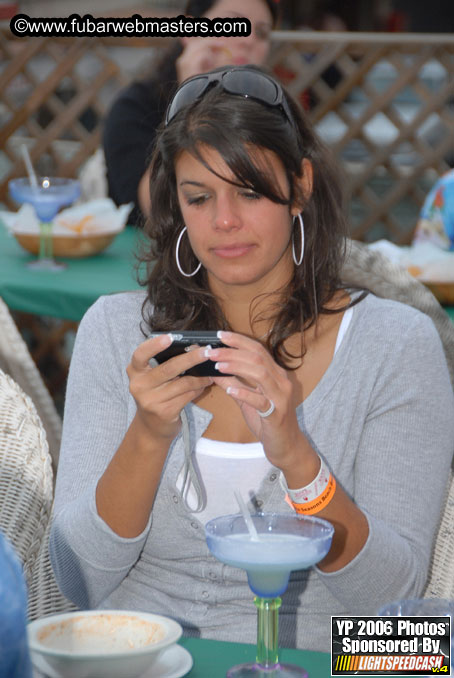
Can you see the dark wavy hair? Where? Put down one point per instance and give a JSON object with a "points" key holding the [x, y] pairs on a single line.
{"points": [[232, 125]]}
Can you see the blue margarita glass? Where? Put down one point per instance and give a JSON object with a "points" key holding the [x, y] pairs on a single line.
{"points": [[285, 542], [51, 194]]}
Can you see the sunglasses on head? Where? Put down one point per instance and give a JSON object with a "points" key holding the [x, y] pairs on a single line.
{"points": [[244, 82]]}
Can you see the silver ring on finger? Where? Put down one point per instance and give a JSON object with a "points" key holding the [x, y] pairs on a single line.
{"points": [[269, 411]]}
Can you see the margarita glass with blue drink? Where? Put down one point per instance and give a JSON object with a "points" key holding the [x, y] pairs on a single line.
{"points": [[47, 197], [283, 543]]}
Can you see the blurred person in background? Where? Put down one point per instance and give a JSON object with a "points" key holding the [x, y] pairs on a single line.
{"points": [[131, 124], [422, 17]]}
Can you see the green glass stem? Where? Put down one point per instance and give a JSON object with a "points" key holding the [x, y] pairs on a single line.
{"points": [[46, 251], [267, 631]]}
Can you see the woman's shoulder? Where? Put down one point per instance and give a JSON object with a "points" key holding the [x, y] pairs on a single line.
{"points": [[375, 304], [392, 338], [136, 96], [109, 333], [144, 93], [387, 317], [141, 105], [129, 299], [121, 310]]}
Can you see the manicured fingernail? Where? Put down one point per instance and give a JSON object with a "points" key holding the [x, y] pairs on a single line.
{"points": [[220, 366], [167, 339], [207, 351], [222, 334], [231, 390]]}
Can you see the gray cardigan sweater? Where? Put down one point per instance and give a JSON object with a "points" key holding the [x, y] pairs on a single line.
{"points": [[382, 417]]}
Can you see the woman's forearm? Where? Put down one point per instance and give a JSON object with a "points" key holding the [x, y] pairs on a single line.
{"points": [[351, 530], [350, 524]]}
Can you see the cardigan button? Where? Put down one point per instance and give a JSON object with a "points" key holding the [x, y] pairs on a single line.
{"points": [[273, 477]]}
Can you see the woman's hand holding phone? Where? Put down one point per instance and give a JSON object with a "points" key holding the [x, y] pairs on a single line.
{"points": [[125, 492], [186, 341], [161, 392], [256, 381]]}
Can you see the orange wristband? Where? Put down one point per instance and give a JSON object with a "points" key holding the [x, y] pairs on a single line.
{"points": [[320, 502]]}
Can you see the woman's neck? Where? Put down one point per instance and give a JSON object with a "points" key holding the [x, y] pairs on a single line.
{"points": [[251, 314], [258, 302]]}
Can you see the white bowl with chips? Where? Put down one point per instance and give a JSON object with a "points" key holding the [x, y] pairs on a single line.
{"points": [[100, 644]]}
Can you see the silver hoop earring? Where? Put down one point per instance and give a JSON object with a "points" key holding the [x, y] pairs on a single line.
{"points": [[186, 275], [300, 259]]}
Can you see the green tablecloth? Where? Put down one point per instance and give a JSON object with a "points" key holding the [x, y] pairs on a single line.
{"points": [[66, 294], [212, 658], [69, 293]]}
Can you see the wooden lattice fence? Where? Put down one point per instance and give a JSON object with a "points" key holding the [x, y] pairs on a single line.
{"points": [[53, 97], [384, 103]]}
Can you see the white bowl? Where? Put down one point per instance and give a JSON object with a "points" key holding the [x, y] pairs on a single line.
{"points": [[99, 644]]}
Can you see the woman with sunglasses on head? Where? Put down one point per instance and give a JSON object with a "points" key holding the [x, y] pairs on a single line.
{"points": [[328, 400], [130, 126]]}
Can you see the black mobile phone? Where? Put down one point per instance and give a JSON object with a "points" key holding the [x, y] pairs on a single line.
{"points": [[185, 341]]}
